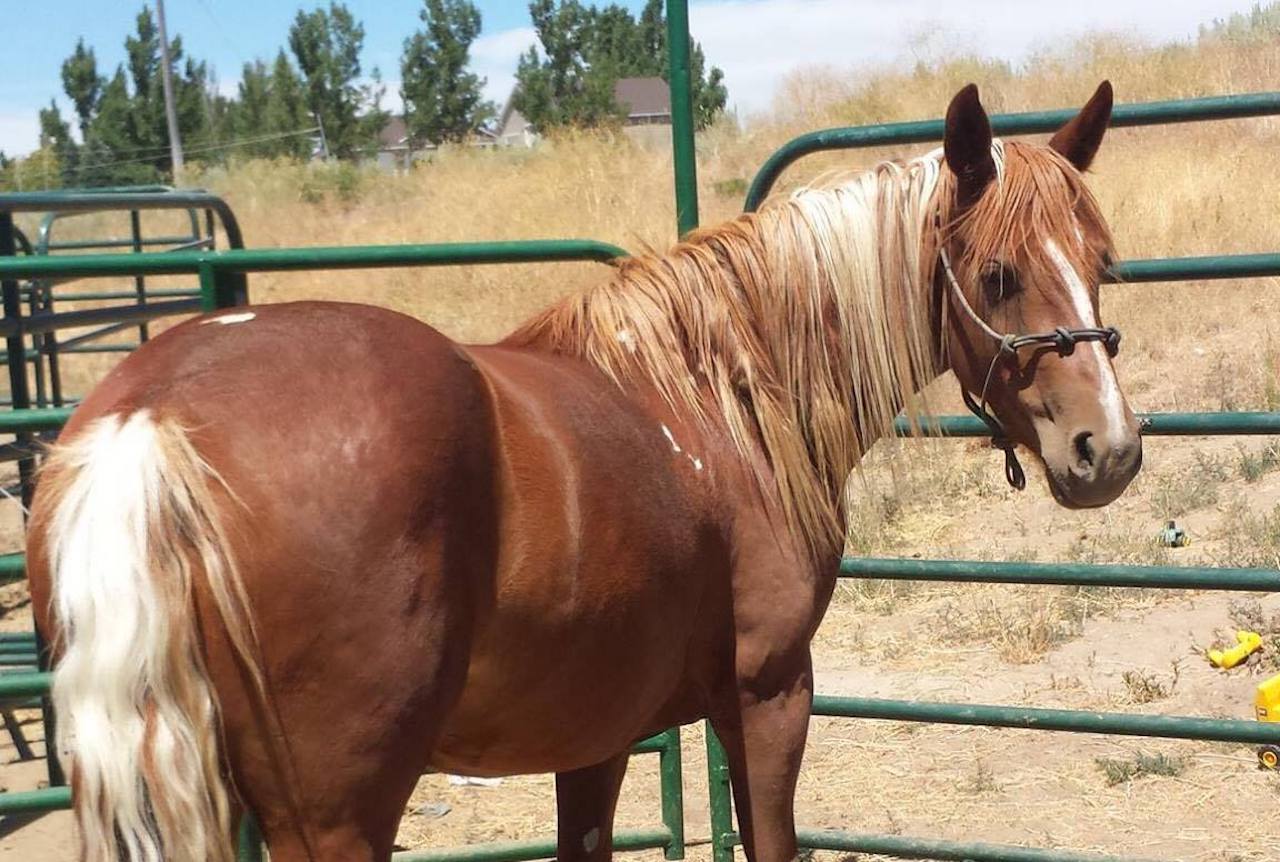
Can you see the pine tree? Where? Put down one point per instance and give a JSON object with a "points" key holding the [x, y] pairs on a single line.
{"points": [[191, 101], [286, 110], [327, 44], [559, 85], [111, 154], [250, 111], [653, 38], [709, 91], [443, 101], [83, 84], [147, 122], [125, 137], [55, 137], [587, 49]]}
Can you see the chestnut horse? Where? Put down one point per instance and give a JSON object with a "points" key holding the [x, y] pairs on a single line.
{"points": [[291, 556]]}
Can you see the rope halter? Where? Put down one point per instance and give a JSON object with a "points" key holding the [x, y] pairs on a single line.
{"points": [[1061, 339]]}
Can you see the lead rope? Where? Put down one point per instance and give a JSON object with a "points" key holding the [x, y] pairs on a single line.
{"points": [[1061, 339]]}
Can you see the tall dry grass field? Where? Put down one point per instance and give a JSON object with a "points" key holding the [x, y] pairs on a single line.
{"points": [[1168, 190]]}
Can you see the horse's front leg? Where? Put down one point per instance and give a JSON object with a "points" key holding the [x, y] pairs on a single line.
{"points": [[585, 801], [764, 737]]}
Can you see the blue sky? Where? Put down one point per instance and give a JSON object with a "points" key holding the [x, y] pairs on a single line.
{"points": [[757, 42]]}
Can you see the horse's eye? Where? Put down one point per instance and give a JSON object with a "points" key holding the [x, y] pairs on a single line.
{"points": [[999, 281]]}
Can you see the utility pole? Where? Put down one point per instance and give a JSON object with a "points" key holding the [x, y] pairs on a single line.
{"points": [[170, 111], [324, 141]]}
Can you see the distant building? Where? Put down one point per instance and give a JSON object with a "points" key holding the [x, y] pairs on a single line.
{"points": [[393, 145], [513, 130], [397, 153], [647, 102]]}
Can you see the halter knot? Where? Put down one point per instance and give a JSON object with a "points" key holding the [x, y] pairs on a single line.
{"points": [[1112, 341], [1065, 341]]}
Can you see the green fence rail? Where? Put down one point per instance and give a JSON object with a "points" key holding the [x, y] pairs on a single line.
{"points": [[221, 285], [298, 259], [669, 837], [1029, 123], [1063, 574]]}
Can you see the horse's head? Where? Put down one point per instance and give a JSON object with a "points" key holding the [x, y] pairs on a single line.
{"points": [[1021, 249]]}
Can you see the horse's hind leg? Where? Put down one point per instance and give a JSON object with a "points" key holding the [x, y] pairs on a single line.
{"points": [[585, 803], [337, 786], [353, 712]]}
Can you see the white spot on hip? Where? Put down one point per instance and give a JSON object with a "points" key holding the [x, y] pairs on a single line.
{"points": [[675, 447], [627, 340], [1112, 402], [591, 840], [228, 319]]}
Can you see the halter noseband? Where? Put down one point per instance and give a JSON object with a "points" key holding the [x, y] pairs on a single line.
{"points": [[1062, 339]]}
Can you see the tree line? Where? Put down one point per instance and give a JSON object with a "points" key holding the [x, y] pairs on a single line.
{"points": [[314, 97]]}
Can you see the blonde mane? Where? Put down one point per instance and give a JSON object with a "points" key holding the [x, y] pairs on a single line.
{"points": [[804, 328]]}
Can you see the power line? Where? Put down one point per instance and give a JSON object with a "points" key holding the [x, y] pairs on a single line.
{"points": [[210, 148], [222, 32]]}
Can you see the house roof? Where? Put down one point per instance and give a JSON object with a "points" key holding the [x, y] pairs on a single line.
{"points": [[393, 134], [643, 97]]}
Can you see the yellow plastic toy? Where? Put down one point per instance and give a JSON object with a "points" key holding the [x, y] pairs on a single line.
{"points": [[1247, 643], [1268, 702]]}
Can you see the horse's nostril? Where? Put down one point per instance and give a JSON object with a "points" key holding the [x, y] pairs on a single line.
{"points": [[1084, 449]]}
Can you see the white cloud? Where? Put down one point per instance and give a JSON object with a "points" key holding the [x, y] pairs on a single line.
{"points": [[494, 57], [19, 132], [758, 42], [391, 99]]}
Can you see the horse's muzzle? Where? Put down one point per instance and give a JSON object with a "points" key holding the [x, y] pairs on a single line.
{"points": [[1097, 469]]}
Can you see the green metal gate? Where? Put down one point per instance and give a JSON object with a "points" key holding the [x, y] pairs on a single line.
{"points": [[724, 838], [222, 284]]}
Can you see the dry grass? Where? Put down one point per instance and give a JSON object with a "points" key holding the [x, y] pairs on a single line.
{"points": [[1148, 687], [1140, 766]]}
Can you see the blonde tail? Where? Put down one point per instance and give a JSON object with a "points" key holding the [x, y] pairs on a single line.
{"points": [[133, 524]]}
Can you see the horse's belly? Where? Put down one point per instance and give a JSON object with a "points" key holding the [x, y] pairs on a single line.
{"points": [[552, 687]]}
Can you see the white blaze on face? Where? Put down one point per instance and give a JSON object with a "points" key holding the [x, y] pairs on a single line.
{"points": [[1112, 403]]}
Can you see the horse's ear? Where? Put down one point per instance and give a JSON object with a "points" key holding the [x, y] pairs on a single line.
{"points": [[1079, 139], [967, 145]]}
